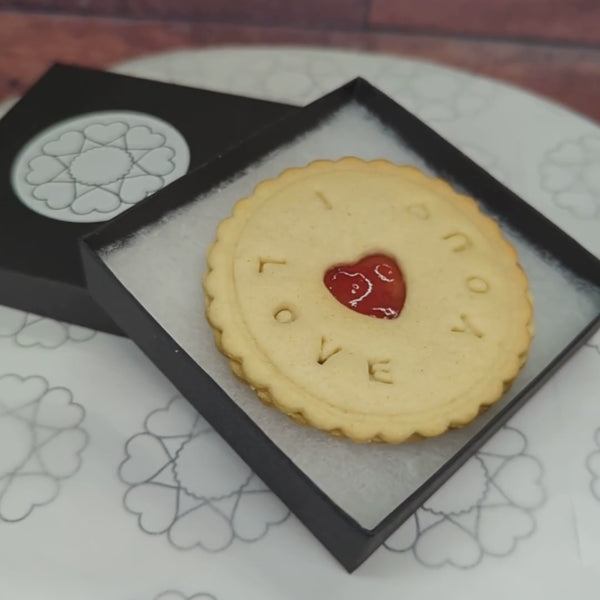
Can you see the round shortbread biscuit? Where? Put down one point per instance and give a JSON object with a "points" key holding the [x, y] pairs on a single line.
{"points": [[457, 345]]}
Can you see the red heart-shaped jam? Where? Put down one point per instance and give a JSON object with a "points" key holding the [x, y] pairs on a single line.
{"points": [[372, 286]]}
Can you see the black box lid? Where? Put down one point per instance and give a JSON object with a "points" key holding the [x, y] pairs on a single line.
{"points": [[83, 145]]}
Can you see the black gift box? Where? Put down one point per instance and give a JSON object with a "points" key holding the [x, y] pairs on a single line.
{"points": [[40, 267], [121, 256]]}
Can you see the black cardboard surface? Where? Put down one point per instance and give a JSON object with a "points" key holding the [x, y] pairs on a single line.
{"points": [[350, 543], [40, 266]]}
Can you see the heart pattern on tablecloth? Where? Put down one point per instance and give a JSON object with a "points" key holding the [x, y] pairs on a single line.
{"points": [[16, 442], [204, 527], [25, 492], [570, 174], [432, 548], [205, 466], [501, 528], [41, 442], [56, 410], [593, 461], [155, 505], [176, 595], [185, 482], [43, 331], [30, 330], [178, 418], [486, 509], [469, 487], [259, 510]]}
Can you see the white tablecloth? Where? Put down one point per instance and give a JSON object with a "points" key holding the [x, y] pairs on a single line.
{"points": [[100, 492]]}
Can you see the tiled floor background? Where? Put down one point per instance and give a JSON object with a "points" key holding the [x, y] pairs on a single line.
{"points": [[548, 46]]}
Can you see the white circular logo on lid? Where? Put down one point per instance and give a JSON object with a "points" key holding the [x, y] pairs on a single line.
{"points": [[95, 166]]}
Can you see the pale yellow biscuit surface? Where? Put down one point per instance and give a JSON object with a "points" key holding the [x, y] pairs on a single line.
{"points": [[460, 340]]}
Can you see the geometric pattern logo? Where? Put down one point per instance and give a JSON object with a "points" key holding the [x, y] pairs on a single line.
{"points": [[184, 482], [485, 509], [95, 166]]}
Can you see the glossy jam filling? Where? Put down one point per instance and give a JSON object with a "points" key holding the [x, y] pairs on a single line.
{"points": [[373, 286]]}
